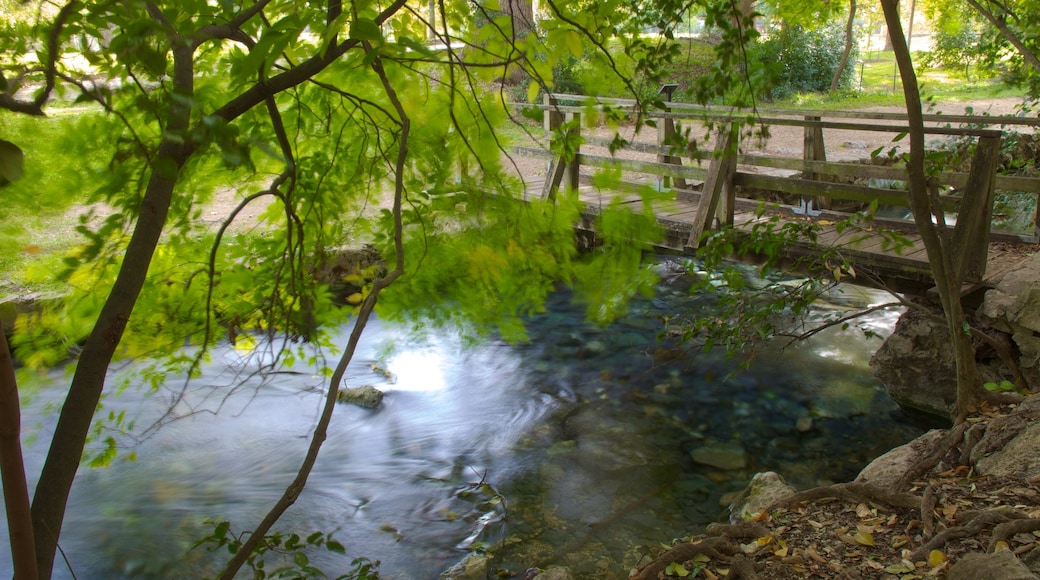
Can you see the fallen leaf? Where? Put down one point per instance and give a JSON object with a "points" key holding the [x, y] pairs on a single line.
{"points": [[781, 552], [935, 558], [1001, 545], [863, 510], [899, 569], [864, 538], [874, 564]]}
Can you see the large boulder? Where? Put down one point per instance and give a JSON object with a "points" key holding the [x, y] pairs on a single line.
{"points": [[889, 468], [1013, 306], [1008, 446], [916, 365]]}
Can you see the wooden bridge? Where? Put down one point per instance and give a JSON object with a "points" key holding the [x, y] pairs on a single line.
{"points": [[700, 187]]}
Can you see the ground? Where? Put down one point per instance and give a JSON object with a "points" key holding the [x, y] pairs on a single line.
{"points": [[913, 530]]}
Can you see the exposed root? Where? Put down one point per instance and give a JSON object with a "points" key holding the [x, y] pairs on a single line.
{"points": [[712, 547], [928, 503], [742, 567], [973, 527], [853, 491], [1007, 529], [739, 531], [952, 438]]}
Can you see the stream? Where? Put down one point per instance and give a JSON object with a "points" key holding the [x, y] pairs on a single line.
{"points": [[581, 447]]}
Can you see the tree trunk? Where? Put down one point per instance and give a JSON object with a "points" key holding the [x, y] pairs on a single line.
{"points": [[16, 491], [522, 13], [1009, 35], [936, 238], [849, 39], [88, 381]]}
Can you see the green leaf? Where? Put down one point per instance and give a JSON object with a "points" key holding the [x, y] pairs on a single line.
{"points": [[365, 29], [334, 546], [532, 92]]}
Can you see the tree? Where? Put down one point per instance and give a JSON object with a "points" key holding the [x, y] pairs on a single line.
{"points": [[947, 267], [316, 109], [850, 40]]}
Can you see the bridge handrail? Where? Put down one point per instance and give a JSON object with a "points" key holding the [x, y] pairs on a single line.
{"points": [[681, 110]]}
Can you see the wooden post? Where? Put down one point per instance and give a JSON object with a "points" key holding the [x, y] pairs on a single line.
{"points": [[665, 136], [814, 149], [971, 234], [560, 166], [720, 177]]}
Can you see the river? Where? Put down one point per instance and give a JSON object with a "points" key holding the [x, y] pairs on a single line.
{"points": [[576, 448]]}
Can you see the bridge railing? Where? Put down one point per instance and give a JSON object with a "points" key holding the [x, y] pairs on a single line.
{"points": [[969, 196]]}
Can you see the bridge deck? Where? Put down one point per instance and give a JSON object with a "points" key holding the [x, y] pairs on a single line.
{"points": [[905, 269]]}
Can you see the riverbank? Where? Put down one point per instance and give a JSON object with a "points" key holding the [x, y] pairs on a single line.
{"points": [[957, 504]]}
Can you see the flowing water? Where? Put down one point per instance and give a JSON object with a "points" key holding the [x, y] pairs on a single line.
{"points": [[576, 448]]}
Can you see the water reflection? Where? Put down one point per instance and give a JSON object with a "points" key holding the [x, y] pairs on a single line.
{"points": [[589, 433]]}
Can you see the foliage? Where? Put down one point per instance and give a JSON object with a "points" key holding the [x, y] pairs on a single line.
{"points": [[751, 306], [960, 48], [288, 548], [803, 60]]}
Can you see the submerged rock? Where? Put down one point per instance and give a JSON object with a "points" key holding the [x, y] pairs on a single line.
{"points": [[472, 567], [728, 456], [365, 396]]}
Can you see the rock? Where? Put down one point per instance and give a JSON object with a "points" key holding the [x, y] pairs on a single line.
{"points": [[1000, 565], [556, 573], [1019, 458], [804, 424], [916, 365], [365, 396], [890, 467], [1001, 430], [727, 456], [765, 489], [1013, 306], [472, 567]]}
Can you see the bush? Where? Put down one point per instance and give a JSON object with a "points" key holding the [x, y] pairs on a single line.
{"points": [[804, 61]]}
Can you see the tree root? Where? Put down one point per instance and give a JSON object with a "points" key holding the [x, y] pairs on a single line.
{"points": [[739, 530], [853, 491], [716, 548], [1007, 529], [977, 522], [742, 567], [953, 437], [928, 503]]}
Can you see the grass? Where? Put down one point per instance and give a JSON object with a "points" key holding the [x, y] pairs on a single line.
{"points": [[878, 84]]}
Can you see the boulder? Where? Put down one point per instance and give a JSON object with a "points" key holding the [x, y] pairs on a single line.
{"points": [[555, 573], [890, 467], [916, 365], [472, 567], [1013, 305], [365, 396], [765, 489], [1000, 565]]}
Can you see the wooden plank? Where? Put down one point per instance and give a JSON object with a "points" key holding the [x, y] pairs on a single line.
{"points": [[835, 190], [971, 233], [650, 167], [720, 176]]}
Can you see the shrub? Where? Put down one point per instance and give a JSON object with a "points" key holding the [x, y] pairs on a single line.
{"points": [[804, 61]]}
